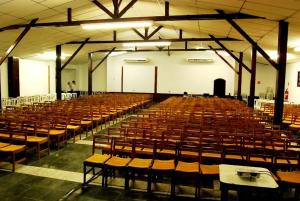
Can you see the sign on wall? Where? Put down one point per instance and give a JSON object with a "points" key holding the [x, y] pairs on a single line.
{"points": [[298, 79]]}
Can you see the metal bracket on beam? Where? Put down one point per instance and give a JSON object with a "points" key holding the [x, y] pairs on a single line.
{"points": [[229, 65], [230, 53], [104, 58], [75, 53], [18, 40]]}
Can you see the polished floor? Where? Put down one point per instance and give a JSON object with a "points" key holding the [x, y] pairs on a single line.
{"points": [[58, 177]]}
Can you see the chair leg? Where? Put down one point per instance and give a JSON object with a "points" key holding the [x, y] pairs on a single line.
{"points": [[126, 186], [149, 182]]}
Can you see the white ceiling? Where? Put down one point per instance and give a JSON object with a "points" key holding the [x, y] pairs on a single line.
{"points": [[38, 40]]}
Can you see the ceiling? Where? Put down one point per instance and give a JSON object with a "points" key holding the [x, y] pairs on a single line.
{"points": [[38, 40]]}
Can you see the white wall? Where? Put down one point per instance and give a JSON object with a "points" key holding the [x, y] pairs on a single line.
{"points": [[291, 79], [99, 76], [4, 80], [265, 77], [175, 75], [33, 77], [67, 75]]}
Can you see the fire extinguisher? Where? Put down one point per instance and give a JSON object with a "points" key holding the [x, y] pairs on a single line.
{"points": [[286, 94]]}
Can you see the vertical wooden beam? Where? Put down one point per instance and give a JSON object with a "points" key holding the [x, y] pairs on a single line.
{"points": [[180, 34], [49, 80], [115, 35], [90, 74], [240, 77], [122, 79], [253, 77], [58, 72], [146, 32], [69, 15], [186, 45], [155, 80], [0, 91], [13, 77], [167, 8], [282, 51]]}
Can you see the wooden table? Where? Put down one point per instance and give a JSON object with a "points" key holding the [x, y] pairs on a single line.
{"points": [[230, 180]]}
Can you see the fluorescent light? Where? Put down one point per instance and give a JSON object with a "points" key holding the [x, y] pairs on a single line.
{"points": [[147, 44], [224, 53], [274, 55], [116, 25], [51, 56], [297, 49], [117, 53]]}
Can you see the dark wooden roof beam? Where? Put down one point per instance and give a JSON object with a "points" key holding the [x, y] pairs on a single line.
{"points": [[134, 19], [249, 39]]}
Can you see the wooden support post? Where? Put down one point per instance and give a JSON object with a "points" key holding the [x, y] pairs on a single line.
{"points": [[155, 80], [103, 59], [180, 34], [115, 35], [282, 51], [122, 79], [58, 72], [167, 8], [69, 14], [186, 45], [90, 74], [253, 77], [240, 76], [13, 77]]}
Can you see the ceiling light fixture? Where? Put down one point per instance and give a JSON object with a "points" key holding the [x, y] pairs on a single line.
{"points": [[147, 44], [116, 25], [117, 53], [51, 56]]}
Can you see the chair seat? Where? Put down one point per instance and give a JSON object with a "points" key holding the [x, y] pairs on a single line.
{"points": [[189, 153], [140, 163], [83, 122], [289, 177], [211, 155], [187, 167], [117, 161], [209, 169], [73, 127], [167, 151], [4, 135], [233, 156], [163, 165], [260, 159], [13, 148], [97, 158], [3, 144], [36, 139], [56, 132]]}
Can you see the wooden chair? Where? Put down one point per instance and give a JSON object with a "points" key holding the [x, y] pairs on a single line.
{"points": [[290, 180], [162, 168], [138, 166], [96, 160]]}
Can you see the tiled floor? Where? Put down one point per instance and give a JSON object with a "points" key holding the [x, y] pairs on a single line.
{"points": [[59, 177]]}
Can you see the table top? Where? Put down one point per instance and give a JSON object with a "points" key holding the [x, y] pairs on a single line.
{"points": [[228, 175]]}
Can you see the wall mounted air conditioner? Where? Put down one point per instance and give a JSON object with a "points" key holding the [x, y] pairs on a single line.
{"points": [[199, 60], [136, 60]]}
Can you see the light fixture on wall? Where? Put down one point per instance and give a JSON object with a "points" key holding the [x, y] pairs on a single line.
{"points": [[116, 25], [51, 56], [117, 53], [148, 44]]}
